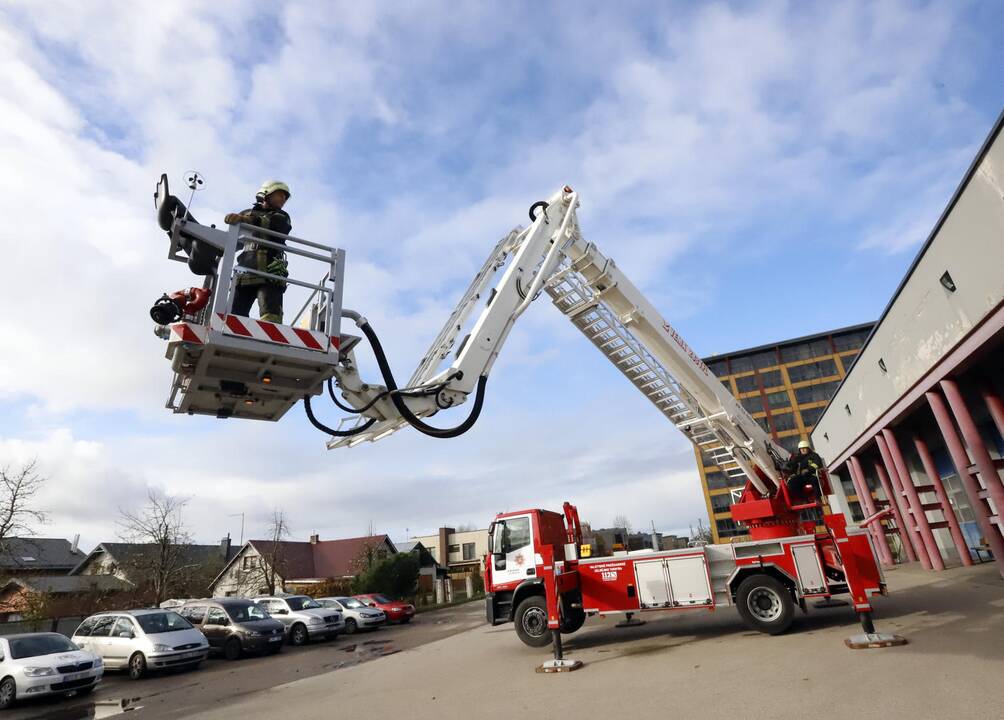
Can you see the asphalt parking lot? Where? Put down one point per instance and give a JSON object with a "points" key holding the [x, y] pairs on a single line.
{"points": [[693, 664], [218, 683]]}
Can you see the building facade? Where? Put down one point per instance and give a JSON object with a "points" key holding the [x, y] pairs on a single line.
{"points": [[785, 386], [917, 426], [459, 552]]}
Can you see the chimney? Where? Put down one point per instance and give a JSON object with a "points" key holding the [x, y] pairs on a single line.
{"points": [[225, 546], [76, 542], [314, 539]]}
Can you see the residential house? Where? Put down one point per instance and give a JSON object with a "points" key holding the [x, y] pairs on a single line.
{"points": [[53, 596], [22, 557], [428, 569], [132, 562], [260, 564]]}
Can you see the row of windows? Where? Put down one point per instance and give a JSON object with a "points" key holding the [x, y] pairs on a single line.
{"points": [[789, 353], [468, 550], [727, 527], [812, 370]]}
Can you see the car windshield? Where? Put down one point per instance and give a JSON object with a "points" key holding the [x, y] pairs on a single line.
{"points": [[352, 603], [302, 603], [165, 622], [35, 645], [383, 599], [243, 613]]}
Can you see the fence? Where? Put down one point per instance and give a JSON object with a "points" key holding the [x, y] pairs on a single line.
{"points": [[62, 625]]}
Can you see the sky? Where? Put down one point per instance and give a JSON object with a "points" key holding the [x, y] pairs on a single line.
{"points": [[760, 170]]}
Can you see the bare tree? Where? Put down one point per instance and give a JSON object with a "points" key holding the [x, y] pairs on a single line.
{"points": [[18, 488], [702, 534], [164, 563], [266, 570], [621, 521]]}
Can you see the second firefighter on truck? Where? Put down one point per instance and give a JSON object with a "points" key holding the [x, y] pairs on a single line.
{"points": [[803, 469], [267, 213]]}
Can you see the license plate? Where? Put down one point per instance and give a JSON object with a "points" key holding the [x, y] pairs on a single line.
{"points": [[192, 654], [275, 638], [74, 676]]}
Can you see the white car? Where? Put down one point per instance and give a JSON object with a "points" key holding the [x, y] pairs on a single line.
{"points": [[142, 640], [357, 614], [304, 618], [36, 664]]}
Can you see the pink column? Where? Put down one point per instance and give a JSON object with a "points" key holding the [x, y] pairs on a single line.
{"points": [[971, 434], [961, 461], [897, 513], [994, 404], [946, 507], [913, 498], [868, 505], [904, 505]]}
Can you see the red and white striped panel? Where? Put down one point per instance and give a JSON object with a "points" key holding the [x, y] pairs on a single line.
{"points": [[189, 333], [272, 332]]}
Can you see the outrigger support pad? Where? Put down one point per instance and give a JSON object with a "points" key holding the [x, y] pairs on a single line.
{"points": [[629, 621], [870, 638], [559, 663]]}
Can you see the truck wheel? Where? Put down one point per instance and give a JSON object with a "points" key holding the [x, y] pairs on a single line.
{"points": [[573, 621], [531, 622], [765, 604]]}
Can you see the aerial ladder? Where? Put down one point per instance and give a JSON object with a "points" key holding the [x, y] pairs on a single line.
{"points": [[549, 256]]}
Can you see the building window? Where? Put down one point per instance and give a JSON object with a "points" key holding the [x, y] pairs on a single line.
{"points": [[813, 370], [789, 443], [778, 399], [249, 562], [806, 351], [740, 364], [469, 551], [747, 383], [727, 528], [453, 549], [721, 503], [851, 340], [762, 422], [848, 360], [764, 359], [718, 367], [784, 421], [753, 404], [771, 378], [815, 393], [810, 416]]}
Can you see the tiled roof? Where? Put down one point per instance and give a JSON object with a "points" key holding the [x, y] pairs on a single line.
{"points": [[38, 554]]}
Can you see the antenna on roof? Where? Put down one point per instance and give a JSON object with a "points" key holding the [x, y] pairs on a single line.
{"points": [[195, 182]]}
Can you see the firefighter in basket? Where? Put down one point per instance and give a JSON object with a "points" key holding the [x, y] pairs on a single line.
{"points": [[803, 469], [267, 213]]}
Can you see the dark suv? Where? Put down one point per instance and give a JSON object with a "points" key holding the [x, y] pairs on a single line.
{"points": [[234, 626]]}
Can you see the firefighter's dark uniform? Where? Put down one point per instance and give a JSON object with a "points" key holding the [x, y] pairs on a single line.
{"points": [[804, 470], [258, 257]]}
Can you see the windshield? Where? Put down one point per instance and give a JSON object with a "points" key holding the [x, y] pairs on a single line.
{"points": [[302, 603], [383, 599], [36, 645], [165, 622], [244, 613], [352, 603]]}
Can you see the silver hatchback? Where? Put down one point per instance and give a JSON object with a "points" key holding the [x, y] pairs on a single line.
{"points": [[142, 640]]}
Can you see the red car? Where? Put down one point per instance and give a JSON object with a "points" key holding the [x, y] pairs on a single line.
{"points": [[397, 611]]}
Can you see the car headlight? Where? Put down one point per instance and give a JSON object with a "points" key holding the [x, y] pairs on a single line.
{"points": [[39, 671], [252, 633], [315, 621], [98, 662], [162, 648]]}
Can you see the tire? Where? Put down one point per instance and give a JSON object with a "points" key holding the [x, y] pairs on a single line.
{"points": [[531, 622], [573, 621], [765, 604], [298, 635], [8, 692], [350, 626], [232, 649], [137, 666]]}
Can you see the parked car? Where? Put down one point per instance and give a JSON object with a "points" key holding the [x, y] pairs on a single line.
{"points": [[36, 664], [356, 613], [142, 640], [235, 626], [397, 611], [303, 617]]}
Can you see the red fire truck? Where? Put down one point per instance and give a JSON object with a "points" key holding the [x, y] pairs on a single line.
{"points": [[536, 579]]}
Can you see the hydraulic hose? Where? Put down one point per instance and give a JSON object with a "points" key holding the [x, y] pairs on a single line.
{"points": [[388, 378], [331, 431]]}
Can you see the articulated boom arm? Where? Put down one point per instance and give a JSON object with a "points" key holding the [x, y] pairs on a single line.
{"points": [[551, 256]]}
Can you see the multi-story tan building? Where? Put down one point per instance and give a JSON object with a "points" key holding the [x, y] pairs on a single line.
{"points": [[785, 386]]}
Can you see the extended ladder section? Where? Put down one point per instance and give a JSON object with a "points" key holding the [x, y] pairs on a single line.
{"points": [[550, 256]]}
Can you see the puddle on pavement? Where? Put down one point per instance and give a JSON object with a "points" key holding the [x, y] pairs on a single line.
{"points": [[362, 651], [106, 708]]}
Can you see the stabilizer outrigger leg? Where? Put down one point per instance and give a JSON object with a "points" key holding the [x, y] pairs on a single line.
{"points": [[870, 638], [560, 663]]}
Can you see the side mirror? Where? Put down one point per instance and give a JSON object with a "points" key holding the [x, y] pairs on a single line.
{"points": [[127, 635], [282, 611]]}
